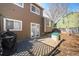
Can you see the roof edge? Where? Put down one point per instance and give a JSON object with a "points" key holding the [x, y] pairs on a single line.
{"points": [[39, 5]]}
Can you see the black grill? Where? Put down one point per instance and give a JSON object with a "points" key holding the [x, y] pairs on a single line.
{"points": [[7, 43]]}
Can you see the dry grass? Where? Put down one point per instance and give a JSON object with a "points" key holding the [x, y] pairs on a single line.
{"points": [[70, 46]]}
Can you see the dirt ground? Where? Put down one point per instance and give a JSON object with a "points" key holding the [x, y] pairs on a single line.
{"points": [[70, 47]]}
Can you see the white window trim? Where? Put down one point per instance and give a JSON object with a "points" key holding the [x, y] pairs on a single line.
{"points": [[36, 8], [4, 24], [19, 5]]}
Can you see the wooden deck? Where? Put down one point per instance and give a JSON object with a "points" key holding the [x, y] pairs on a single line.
{"points": [[42, 47], [48, 47], [49, 41], [45, 47]]}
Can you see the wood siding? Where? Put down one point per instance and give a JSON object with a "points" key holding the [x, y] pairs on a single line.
{"points": [[15, 12]]}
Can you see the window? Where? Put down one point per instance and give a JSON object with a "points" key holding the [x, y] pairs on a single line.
{"points": [[17, 25], [9, 24], [48, 23], [20, 4], [35, 9], [13, 25]]}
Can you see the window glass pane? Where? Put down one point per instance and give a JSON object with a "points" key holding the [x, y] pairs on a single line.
{"points": [[21, 4], [33, 8], [47, 22], [17, 25], [9, 24], [50, 24], [33, 29]]}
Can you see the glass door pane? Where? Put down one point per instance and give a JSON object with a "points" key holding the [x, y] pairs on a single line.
{"points": [[33, 30], [37, 30]]}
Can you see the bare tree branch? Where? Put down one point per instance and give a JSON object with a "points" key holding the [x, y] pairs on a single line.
{"points": [[58, 10]]}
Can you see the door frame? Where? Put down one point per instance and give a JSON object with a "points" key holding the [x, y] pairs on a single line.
{"points": [[31, 29]]}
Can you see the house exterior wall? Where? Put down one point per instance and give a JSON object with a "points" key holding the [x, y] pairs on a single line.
{"points": [[0, 25], [69, 23], [13, 11], [48, 25], [35, 19]]}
